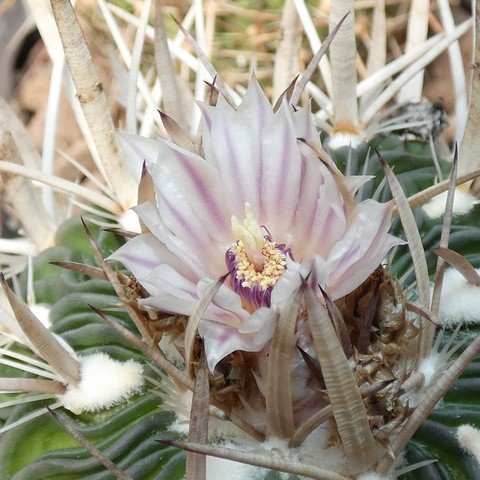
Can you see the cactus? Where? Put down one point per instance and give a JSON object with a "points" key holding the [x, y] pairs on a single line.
{"points": [[259, 304]]}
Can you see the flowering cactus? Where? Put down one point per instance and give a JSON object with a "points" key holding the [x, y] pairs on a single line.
{"points": [[256, 308], [297, 217]]}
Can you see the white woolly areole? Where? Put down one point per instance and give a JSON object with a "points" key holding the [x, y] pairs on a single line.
{"points": [[430, 366], [463, 203], [42, 312], [372, 476], [460, 301], [314, 450], [311, 452], [130, 222], [469, 439], [104, 382], [220, 469], [341, 139]]}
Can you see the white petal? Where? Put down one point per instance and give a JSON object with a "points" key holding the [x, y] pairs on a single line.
{"points": [[320, 219], [169, 304], [304, 126], [152, 220], [237, 150], [225, 299], [142, 254], [180, 218], [260, 322], [221, 340], [255, 108], [137, 151], [288, 283], [328, 226], [281, 171], [198, 181], [319, 272], [312, 179], [361, 249]]}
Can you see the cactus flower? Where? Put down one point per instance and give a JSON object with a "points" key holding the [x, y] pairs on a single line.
{"points": [[262, 206]]}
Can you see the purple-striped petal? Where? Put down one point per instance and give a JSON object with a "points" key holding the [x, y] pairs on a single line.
{"points": [[142, 254], [150, 216], [136, 152], [198, 182], [304, 126], [228, 303], [180, 218], [167, 287], [281, 171], [361, 270], [236, 147], [312, 180], [255, 108], [251, 155], [220, 340], [361, 249]]}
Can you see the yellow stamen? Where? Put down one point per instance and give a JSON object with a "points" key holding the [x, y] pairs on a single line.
{"points": [[274, 264]]}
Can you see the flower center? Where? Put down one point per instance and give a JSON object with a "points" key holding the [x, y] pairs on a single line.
{"points": [[255, 262], [272, 268]]}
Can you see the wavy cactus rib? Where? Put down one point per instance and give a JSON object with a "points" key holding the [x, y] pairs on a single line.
{"points": [[43, 340], [120, 474], [428, 402]]}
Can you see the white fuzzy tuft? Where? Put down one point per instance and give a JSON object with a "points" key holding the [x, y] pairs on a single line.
{"points": [[372, 476], [469, 439], [42, 312], [130, 222], [330, 458], [462, 204], [341, 139], [220, 469], [460, 301], [430, 366], [104, 383], [314, 450]]}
